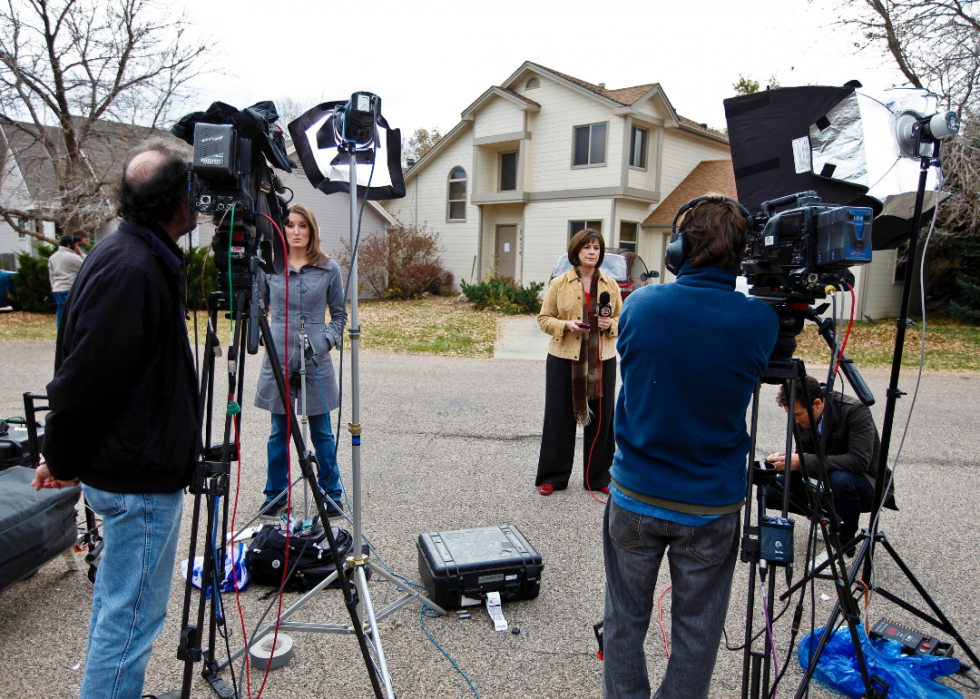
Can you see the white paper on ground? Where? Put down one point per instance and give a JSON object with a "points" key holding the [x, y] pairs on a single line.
{"points": [[493, 609]]}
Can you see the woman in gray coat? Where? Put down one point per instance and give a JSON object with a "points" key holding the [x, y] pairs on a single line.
{"points": [[314, 286]]}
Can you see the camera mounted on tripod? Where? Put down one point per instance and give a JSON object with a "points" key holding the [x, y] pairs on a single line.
{"points": [[234, 153], [793, 255]]}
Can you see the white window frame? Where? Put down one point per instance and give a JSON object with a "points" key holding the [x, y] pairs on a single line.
{"points": [[645, 149], [605, 145], [449, 189]]}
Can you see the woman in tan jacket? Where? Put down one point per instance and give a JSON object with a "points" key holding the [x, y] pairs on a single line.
{"points": [[580, 381]]}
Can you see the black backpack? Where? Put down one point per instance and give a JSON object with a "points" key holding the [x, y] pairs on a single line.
{"points": [[309, 557]]}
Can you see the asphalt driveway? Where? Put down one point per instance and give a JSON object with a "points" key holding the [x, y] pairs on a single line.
{"points": [[453, 443]]}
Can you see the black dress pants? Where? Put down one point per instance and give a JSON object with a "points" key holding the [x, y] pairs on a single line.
{"points": [[558, 440]]}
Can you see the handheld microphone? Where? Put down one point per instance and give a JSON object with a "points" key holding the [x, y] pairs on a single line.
{"points": [[604, 308]]}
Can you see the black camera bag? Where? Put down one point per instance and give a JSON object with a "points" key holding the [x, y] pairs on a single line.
{"points": [[309, 557]]}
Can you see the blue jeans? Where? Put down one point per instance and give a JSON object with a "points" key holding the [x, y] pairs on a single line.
{"points": [[59, 298], [132, 588], [322, 437], [702, 561]]}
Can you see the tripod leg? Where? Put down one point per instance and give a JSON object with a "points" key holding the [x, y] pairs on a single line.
{"points": [[305, 465], [365, 594], [946, 625]]}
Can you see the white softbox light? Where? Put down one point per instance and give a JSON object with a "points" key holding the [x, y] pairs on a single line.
{"points": [[328, 168], [856, 142]]}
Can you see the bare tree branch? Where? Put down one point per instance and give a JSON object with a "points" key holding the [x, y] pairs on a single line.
{"points": [[80, 82]]}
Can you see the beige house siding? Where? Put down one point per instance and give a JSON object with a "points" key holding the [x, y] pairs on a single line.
{"points": [[552, 132], [498, 116], [682, 153], [547, 226], [883, 297], [426, 203], [646, 178]]}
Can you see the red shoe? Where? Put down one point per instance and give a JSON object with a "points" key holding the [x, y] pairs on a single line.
{"points": [[546, 489], [604, 490]]}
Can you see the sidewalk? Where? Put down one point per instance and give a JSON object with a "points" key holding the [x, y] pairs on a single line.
{"points": [[520, 337]]}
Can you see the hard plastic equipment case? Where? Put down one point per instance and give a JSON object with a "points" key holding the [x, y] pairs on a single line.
{"points": [[473, 562]]}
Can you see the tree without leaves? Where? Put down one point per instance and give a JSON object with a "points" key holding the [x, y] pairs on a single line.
{"points": [[81, 81], [934, 43], [936, 46]]}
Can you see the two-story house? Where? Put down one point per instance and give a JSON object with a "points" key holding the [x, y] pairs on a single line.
{"points": [[544, 155]]}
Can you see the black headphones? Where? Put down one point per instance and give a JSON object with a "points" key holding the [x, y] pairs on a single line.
{"points": [[679, 248]]}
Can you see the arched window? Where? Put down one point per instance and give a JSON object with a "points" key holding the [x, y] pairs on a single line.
{"points": [[457, 195], [532, 83]]}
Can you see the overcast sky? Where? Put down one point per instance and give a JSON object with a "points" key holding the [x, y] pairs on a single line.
{"points": [[429, 59]]}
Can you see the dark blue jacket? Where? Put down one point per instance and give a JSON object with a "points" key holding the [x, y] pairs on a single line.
{"points": [[692, 352], [123, 400]]}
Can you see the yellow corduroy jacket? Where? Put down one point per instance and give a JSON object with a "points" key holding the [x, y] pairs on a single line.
{"points": [[563, 301]]}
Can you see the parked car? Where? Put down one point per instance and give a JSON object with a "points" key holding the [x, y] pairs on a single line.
{"points": [[625, 266]]}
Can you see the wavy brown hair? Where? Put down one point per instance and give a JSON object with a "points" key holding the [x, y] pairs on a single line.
{"points": [[715, 229], [314, 254]]}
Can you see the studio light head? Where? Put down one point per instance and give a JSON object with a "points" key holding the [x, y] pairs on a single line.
{"points": [[326, 136], [851, 145], [912, 129], [359, 117]]}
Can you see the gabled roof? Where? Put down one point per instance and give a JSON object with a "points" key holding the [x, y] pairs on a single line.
{"points": [[621, 97], [715, 176], [519, 101], [104, 151], [619, 100]]}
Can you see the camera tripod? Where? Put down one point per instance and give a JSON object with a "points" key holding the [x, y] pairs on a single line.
{"points": [[212, 469], [864, 560], [770, 542]]}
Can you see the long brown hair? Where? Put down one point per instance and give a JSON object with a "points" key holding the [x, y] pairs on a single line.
{"points": [[314, 254]]}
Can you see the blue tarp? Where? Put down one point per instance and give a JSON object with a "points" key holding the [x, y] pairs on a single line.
{"points": [[909, 676]]}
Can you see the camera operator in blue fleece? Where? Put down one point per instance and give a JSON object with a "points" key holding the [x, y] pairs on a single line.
{"points": [[691, 354]]}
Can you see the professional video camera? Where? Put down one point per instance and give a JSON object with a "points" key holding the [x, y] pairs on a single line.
{"points": [[794, 254], [233, 150]]}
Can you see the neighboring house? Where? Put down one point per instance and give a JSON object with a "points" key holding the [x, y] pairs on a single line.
{"points": [[878, 286], [544, 155], [27, 177]]}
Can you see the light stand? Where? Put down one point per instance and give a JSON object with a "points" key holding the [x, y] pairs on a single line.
{"points": [[359, 563], [212, 469], [869, 538]]}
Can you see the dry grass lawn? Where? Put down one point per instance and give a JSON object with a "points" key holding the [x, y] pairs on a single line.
{"points": [[439, 326]]}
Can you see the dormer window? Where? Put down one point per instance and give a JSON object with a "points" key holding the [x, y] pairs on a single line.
{"points": [[532, 83], [456, 199]]}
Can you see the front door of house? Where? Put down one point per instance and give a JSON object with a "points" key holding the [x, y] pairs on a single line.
{"points": [[507, 251]]}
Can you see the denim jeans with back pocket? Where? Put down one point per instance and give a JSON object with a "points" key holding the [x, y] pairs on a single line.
{"points": [[702, 562], [132, 588]]}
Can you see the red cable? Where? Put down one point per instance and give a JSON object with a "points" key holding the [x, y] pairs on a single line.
{"points": [[289, 473], [660, 603], [847, 335]]}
